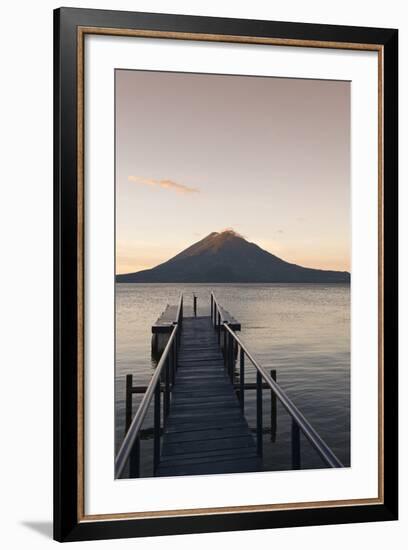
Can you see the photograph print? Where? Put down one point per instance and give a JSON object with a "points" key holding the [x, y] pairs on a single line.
{"points": [[232, 284]]}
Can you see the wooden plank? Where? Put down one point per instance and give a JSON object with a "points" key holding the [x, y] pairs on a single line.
{"points": [[197, 408], [191, 426], [185, 396], [185, 393], [230, 416], [237, 442], [207, 434], [205, 400], [197, 458]]}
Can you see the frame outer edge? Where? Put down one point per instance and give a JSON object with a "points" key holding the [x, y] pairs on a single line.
{"points": [[66, 505], [65, 280], [391, 274], [56, 200]]}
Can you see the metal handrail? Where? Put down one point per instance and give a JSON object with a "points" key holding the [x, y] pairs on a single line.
{"points": [[321, 447], [297, 417], [126, 448], [218, 308]]}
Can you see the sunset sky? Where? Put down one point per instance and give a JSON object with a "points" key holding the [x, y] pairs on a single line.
{"points": [[268, 157]]}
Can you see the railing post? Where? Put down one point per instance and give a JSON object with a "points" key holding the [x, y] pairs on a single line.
{"points": [[259, 428], [195, 305], [129, 396], [166, 390], [225, 346], [242, 378], [212, 308], [174, 352], [295, 446], [156, 428], [232, 357], [227, 350], [219, 327], [128, 456], [134, 459], [274, 420], [229, 354], [171, 369]]}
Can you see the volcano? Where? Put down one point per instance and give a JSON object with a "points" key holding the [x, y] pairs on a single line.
{"points": [[227, 257]]}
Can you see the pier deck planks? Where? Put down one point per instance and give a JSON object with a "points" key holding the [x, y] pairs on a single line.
{"points": [[206, 432]]}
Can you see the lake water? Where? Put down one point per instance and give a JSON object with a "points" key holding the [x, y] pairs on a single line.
{"points": [[300, 330]]}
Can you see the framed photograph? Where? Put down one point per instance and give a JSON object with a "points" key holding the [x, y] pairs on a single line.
{"points": [[225, 274]]}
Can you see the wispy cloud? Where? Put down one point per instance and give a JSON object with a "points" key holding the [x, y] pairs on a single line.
{"points": [[170, 185]]}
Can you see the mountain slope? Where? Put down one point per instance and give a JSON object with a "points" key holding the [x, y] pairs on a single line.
{"points": [[227, 257]]}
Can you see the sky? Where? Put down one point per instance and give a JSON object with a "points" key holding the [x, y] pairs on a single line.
{"points": [[267, 157]]}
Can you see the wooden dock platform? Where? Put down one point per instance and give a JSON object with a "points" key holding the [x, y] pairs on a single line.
{"points": [[206, 431], [193, 391], [166, 320]]}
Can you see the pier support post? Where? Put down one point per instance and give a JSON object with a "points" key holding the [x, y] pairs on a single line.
{"points": [[295, 446], [242, 378], [226, 349], [167, 390], [174, 359], [128, 402], [230, 356], [134, 459], [157, 421], [274, 420], [259, 427]]}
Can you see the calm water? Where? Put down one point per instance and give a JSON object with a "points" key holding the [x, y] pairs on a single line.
{"points": [[301, 330]]}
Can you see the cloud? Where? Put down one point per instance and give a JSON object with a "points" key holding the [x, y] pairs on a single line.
{"points": [[170, 185]]}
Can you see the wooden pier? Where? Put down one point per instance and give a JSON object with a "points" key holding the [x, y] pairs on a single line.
{"points": [[206, 431], [198, 396]]}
